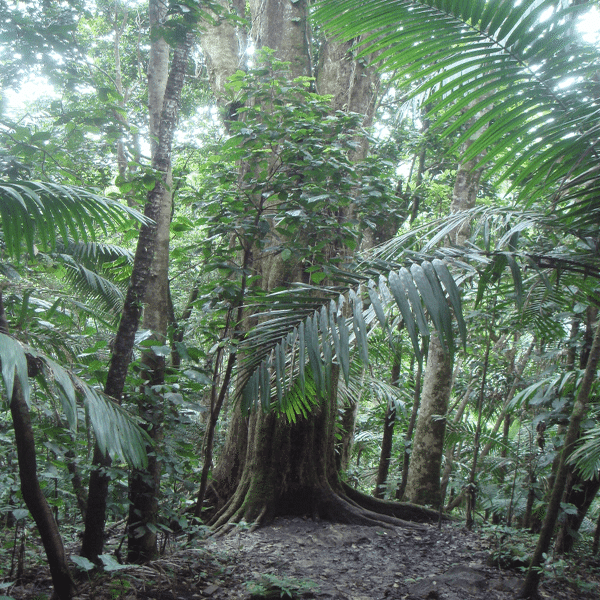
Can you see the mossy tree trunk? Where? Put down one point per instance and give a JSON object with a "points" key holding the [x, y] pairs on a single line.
{"points": [[270, 466]]}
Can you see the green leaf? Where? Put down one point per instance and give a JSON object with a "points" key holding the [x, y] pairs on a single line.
{"points": [[13, 359], [110, 564], [83, 563]]}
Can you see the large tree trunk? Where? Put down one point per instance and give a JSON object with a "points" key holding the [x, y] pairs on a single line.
{"points": [[270, 466], [93, 537]]}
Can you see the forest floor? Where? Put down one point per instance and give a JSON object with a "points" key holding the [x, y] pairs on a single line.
{"points": [[298, 558]]}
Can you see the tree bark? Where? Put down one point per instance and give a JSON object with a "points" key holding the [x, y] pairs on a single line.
{"points": [[423, 484], [93, 537]]}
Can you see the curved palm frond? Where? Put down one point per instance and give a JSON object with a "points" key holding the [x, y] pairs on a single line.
{"points": [[93, 285], [39, 212], [115, 430], [587, 455], [312, 328], [520, 84]]}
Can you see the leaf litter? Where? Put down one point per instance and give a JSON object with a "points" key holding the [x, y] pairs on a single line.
{"points": [[301, 558]]}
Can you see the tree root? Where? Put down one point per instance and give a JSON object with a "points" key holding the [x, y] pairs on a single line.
{"points": [[400, 510], [327, 503]]}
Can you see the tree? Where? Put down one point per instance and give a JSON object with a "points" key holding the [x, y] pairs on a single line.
{"points": [[272, 465], [157, 212]]}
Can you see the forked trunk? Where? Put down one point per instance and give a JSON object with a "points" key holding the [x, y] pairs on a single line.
{"points": [[93, 537]]}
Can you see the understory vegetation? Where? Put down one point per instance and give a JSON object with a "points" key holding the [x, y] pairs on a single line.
{"points": [[229, 303]]}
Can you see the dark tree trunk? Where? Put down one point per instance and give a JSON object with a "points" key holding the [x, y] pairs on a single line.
{"points": [[290, 468], [144, 484], [386, 451], [33, 495], [93, 537], [388, 436], [581, 494], [409, 432]]}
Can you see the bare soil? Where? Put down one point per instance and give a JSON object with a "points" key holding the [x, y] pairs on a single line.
{"points": [[299, 558]]}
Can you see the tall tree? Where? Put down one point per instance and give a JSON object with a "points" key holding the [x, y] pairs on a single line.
{"points": [[93, 539], [423, 483], [270, 465]]}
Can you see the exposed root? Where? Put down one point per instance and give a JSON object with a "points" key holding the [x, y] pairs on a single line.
{"points": [[345, 510], [400, 510]]}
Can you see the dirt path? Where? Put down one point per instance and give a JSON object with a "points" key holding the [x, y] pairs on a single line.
{"points": [[295, 557]]}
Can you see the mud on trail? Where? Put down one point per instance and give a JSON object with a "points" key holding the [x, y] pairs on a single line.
{"points": [[299, 558]]}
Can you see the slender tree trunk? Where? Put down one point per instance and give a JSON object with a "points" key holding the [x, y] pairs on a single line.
{"points": [[472, 496], [596, 540], [33, 495], [388, 435], [409, 432], [144, 484], [579, 411], [423, 485], [93, 537], [581, 493]]}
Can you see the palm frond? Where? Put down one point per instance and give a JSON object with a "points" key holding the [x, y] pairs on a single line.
{"points": [[115, 430], [312, 328], [93, 285], [587, 456], [35, 212], [500, 73]]}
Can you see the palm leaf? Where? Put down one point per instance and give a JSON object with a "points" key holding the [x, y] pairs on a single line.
{"points": [[497, 71], [34, 212], [310, 322], [115, 430]]}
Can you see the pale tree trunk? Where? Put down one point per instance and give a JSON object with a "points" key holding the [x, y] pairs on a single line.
{"points": [[423, 485], [93, 538], [123, 165]]}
